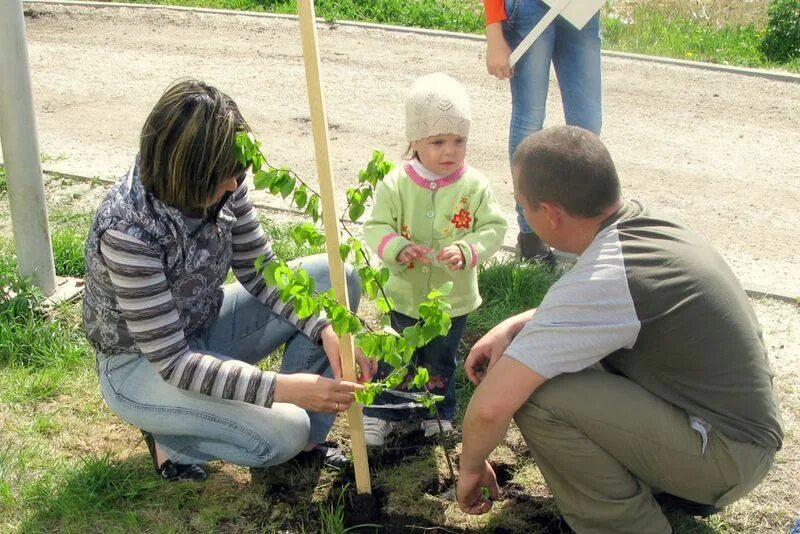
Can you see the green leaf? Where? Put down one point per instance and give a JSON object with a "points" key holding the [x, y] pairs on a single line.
{"points": [[366, 397], [382, 276], [269, 273], [356, 211], [344, 251], [287, 186], [384, 304], [446, 288], [421, 378], [262, 179], [413, 336], [301, 196], [312, 208]]}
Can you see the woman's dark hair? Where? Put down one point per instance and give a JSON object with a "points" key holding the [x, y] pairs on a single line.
{"points": [[187, 146]]}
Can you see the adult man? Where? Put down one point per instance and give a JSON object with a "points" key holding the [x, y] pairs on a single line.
{"points": [[684, 405]]}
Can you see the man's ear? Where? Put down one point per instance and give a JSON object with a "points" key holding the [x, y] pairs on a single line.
{"points": [[553, 214]]}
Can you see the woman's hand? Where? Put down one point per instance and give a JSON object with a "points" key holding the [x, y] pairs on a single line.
{"points": [[330, 344], [497, 52], [315, 393], [451, 257], [367, 367]]}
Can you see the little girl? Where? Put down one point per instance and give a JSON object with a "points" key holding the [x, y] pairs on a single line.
{"points": [[434, 219]]}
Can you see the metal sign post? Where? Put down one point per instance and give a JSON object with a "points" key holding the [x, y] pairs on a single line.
{"points": [[21, 152]]}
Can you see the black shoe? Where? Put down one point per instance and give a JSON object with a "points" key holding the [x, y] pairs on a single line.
{"points": [[686, 506], [531, 248], [169, 470], [324, 454]]}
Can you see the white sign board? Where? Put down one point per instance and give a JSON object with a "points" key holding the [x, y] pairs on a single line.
{"points": [[578, 12]]}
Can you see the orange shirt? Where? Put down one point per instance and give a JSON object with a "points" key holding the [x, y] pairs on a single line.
{"points": [[495, 11]]}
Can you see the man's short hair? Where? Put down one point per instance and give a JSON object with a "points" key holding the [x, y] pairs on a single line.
{"points": [[568, 166]]}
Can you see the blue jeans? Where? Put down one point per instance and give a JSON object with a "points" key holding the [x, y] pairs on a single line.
{"points": [[575, 55], [194, 428], [439, 358]]}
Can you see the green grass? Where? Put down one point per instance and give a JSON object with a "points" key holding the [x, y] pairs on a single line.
{"points": [[282, 243], [3, 182], [662, 33], [507, 288], [67, 464], [68, 233], [452, 15], [649, 29]]}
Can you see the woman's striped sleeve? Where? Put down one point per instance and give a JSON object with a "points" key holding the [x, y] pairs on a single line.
{"points": [[147, 305], [250, 242]]}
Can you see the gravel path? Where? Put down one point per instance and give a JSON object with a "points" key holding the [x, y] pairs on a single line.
{"points": [[715, 150]]}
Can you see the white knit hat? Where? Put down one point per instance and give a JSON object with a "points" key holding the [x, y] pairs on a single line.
{"points": [[437, 104]]}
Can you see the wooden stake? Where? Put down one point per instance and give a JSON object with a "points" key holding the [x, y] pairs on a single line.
{"points": [[319, 123]]}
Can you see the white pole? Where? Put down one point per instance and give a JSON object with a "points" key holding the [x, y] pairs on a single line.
{"points": [[21, 152]]}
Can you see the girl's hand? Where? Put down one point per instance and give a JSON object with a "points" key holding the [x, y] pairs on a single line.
{"points": [[315, 393], [451, 257], [414, 253]]}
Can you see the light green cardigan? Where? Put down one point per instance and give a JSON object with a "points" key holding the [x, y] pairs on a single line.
{"points": [[458, 209]]}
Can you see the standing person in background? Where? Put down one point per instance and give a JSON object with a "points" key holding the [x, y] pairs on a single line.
{"points": [[176, 349], [575, 55]]}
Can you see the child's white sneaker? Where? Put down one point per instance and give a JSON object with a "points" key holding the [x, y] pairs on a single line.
{"points": [[376, 430], [431, 427]]}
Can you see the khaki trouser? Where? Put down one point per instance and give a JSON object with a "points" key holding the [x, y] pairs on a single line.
{"points": [[605, 445]]}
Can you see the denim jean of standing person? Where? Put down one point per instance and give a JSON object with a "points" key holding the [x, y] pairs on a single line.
{"points": [[575, 55], [193, 428]]}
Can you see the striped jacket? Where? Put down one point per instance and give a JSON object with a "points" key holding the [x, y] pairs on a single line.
{"points": [[151, 282]]}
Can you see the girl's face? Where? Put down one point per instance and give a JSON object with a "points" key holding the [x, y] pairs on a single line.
{"points": [[441, 154]]}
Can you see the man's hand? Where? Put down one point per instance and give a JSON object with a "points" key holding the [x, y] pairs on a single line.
{"points": [[497, 52], [469, 490], [315, 393], [412, 253], [488, 350], [451, 257], [485, 353]]}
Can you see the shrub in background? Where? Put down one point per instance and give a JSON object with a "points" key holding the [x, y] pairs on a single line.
{"points": [[781, 41]]}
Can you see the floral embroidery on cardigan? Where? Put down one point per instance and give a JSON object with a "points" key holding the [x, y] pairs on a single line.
{"points": [[462, 219]]}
